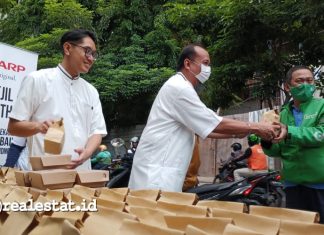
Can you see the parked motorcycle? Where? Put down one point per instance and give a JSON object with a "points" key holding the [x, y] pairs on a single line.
{"points": [[237, 191], [262, 189], [267, 189], [121, 165]]}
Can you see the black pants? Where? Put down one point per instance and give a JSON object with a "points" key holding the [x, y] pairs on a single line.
{"points": [[305, 198], [13, 155]]}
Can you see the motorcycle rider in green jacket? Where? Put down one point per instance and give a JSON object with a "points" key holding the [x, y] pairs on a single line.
{"points": [[301, 148]]}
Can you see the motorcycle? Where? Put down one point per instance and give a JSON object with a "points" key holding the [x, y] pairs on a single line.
{"points": [[268, 189], [226, 171], [121, 165], [262, 189], [237, 191]]}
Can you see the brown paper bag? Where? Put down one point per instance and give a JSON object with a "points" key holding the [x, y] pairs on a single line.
{"points": [[84, 191], [182, 210], [150, 194], [63, 191], [10, 176], [5, 189], [3, 171], [104, 221], [114, 205], [285, 213], [53, 195], [79, 199], [289, 227], [54, 138], [231, 229], [54, 226], [52, 179], [26, 189], [259, 224], [208, 225], [92, 178], [226, 205], [49, 162], [111, 195], [130, 227], [138, 201], [22, 178], [17, 223], [149, 216], [270, 116], [36, 192], [76, 218], [17, 195], [192, 230], [43, 200], [178, 198], [123, 191]]}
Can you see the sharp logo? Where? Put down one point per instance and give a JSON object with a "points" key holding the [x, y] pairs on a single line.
{"points": [[11, 66]]}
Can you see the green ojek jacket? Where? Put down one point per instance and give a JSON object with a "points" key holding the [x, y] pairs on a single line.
{"points": [[302, 153]]}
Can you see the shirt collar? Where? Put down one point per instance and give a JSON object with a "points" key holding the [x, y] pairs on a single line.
{"points": [[67, 74]]}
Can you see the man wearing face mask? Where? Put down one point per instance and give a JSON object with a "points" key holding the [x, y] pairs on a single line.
{"points": [[302, 145], [165, 148]]}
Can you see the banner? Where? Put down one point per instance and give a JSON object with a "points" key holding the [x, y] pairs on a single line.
{"points": [[15, 64]]}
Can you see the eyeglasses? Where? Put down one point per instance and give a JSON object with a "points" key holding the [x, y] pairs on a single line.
{"points": [[87, 51]]}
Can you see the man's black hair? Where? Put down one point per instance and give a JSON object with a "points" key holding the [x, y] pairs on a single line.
{"points": [[187, 52], [293, 69], [77, 36]]}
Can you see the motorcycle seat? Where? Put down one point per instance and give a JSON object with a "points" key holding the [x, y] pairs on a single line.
{"points": [[211, 187]]}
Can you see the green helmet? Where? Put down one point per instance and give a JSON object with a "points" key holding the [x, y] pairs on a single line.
{"points": [[253, 139]]}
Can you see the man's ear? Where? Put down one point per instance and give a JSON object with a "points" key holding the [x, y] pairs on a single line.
{"points": [[287, 87], [66, 48], [186, 63]]}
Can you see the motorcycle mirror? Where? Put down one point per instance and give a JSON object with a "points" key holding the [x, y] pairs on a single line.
{"points": [[117, 142]]}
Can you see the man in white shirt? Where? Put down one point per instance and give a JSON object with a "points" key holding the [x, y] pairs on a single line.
{"points": [[165, 149], [48, 95]]}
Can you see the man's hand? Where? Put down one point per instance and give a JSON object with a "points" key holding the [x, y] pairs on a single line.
{"points": [[283, 133], [268, 131], [42, 127], [83, 156]]}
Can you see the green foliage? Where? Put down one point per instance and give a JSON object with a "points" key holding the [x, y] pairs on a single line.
{"points": [[23, 20], [250, 42], [47, 46], [5, 6], [65, 14], [120, 87]]}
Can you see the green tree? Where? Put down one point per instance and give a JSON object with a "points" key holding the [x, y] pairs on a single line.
{"points": [[247, 40], [23, 20], [5, 6], [140, 40]]}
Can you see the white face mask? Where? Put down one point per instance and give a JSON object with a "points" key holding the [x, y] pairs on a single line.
{"points": [[204, 74]]}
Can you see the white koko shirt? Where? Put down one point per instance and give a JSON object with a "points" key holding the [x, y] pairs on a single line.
{"points": [[51, 94], [164, 152]]}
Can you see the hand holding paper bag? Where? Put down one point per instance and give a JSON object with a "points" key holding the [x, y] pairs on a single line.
{"points": [[54, 138]]}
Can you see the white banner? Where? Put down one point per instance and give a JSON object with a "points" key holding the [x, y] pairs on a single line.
{"points": [[15, 64]]}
